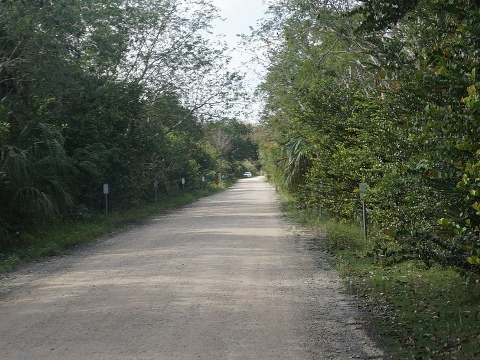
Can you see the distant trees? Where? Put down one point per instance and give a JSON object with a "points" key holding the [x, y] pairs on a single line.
{"points": [[386, 93], [95, 92], [235, 144]]}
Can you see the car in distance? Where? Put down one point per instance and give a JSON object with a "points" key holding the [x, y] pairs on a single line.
{"points": [[247, 174]]}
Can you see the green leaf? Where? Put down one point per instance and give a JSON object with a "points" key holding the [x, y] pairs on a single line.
{"points": [[473, 260]]}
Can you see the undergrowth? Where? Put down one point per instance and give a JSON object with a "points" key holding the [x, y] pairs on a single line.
{"points": [[417, 313]]}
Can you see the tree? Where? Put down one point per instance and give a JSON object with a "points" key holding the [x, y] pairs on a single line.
{"points": [[169, 53], [438, 41], [33, 177], [387, 96], [234, 143], [105, 90]]}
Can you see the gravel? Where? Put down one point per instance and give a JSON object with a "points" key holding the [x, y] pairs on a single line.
{"points": [[224, 278]]}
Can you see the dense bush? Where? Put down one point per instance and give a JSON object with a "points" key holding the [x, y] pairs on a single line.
{"points": [[384, 93], [117, 92]]}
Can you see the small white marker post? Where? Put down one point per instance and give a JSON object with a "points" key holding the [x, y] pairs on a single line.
{"points": [[155, 185], [320, 187], [363, 190], [183, 184], [105, 191]]}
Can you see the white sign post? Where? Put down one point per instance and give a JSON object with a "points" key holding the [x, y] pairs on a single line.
{"points": [[363, 190], [155, 185], [105, 191], [183, 184], [320, 188]]}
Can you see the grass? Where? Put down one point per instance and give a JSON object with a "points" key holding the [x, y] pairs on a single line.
{"points": [[63, 236], [418, 313]]}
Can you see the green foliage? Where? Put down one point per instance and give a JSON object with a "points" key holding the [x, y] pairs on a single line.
{"points": [[418, 312], [34, 171], [234, 144], [384, 94], [63, 236], [117, 92]]}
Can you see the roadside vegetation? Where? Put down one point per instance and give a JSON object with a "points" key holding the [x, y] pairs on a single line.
{"points": [[416, 312], [132, 94], [65, 236], [385, 94]]}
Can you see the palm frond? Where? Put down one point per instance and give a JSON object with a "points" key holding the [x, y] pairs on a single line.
{"points": [[297, 162], [34, 169]]}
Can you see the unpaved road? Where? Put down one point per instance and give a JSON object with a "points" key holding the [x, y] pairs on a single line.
{"points": [[224, 278]]}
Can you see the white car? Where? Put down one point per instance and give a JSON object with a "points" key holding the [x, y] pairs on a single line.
{"points": [[247, 174]]}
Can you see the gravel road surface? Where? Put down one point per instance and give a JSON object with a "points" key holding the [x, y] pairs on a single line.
{"points": [[224, 278]]}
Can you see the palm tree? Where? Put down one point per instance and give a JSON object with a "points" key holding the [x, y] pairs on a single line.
{"points": [[33, 177], [297, 162]]}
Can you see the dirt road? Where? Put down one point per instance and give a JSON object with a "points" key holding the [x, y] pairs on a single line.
{"points": [[224, 278]]}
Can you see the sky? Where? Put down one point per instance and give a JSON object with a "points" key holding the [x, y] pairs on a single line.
{"points": [[239, 16]]}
